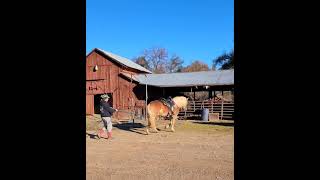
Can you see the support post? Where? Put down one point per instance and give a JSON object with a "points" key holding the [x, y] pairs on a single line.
{"points": [[146, 114]]}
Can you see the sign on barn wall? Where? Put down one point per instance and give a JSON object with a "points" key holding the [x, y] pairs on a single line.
{"points": [[95, 87]]}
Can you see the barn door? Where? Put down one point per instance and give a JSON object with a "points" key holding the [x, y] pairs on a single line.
{"points": [[126, 101]]}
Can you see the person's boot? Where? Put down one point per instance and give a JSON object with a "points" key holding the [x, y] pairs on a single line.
{"points": [[110, 135], [100, 133], [105, 135]]}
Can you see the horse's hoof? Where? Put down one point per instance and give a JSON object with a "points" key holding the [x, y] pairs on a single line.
{"points": [[172, 130], [167, 126]]}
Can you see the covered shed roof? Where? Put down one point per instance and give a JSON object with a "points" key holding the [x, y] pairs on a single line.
{"points": [[202, 78]]}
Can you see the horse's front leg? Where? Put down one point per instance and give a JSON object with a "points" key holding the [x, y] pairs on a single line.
{"points": [[173, 121], [153, 124], [170, 123]]}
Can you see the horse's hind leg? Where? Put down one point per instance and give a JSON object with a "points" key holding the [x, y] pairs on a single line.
{"points": [[153, 124], [148, 126], [158, 119]]}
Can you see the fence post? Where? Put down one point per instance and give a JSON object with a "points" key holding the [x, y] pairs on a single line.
{"points": [[194, 105], [222, 110]]}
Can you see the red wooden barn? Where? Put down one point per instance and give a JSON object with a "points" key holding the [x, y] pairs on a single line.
{"points": [[126, 83], [110, 73]]}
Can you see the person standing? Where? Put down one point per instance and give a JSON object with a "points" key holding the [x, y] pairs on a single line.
{"points": [[106, 112]]}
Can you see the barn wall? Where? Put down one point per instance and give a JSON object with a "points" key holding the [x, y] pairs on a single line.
{"points": [[104, 67], [89, 104], [108, 80]]}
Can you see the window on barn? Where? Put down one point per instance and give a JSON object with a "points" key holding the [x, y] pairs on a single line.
{"points": [[95, 68]]}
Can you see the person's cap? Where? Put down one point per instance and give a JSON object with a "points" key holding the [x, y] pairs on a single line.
{"points": [[104, 96]]}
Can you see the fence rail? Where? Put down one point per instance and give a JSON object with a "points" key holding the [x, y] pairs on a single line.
{"points": [[194, 109], [224, 108]]}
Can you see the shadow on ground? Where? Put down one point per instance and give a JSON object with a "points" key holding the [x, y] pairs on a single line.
{"points": [[132, 127], [92, 136], [217, 123]]}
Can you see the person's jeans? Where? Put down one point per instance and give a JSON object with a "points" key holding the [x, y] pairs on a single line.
{"points": [[107, 123]]}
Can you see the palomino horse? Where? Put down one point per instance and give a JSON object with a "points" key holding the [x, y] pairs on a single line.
{"points": [[157, 109]]}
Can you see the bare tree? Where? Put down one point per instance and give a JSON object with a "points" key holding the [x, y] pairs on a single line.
{"points": [[174, 64], [196, 66], [141, 60], [157, 59]]}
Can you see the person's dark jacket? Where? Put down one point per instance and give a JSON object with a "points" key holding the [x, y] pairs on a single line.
{"points": [[105, 109]]}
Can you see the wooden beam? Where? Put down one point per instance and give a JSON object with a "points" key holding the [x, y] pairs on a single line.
{"points": [[194, 95], [132, 102]]}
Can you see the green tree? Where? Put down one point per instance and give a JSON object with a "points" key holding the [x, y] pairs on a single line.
{"points": [[224, 61]]}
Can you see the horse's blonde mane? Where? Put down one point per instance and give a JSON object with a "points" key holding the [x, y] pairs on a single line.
{"points": [[181, 101]]}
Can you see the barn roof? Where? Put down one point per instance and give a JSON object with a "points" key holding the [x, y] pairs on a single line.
{"points": [[123, 61], [202, 78]]}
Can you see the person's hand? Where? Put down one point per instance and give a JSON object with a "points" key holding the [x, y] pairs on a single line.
{"points": [[116, 109]]}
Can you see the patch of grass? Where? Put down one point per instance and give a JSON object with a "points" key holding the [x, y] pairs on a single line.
{"points": [[205, 126], [92, 123]]}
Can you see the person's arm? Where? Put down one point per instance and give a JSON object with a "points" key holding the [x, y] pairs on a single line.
{"points": [[110, 109], [101, 108]]}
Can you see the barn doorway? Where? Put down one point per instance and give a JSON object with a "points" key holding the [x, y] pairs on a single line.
{"points": [[97, 100]]}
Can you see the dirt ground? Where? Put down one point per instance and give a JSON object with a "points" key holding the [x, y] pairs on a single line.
{"points": [[194, 151]]}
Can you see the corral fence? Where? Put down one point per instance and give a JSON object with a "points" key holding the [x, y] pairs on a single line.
{"points": [[224, 109]]}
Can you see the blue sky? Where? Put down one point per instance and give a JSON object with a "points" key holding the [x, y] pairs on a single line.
{"points": [[191, 29]]}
